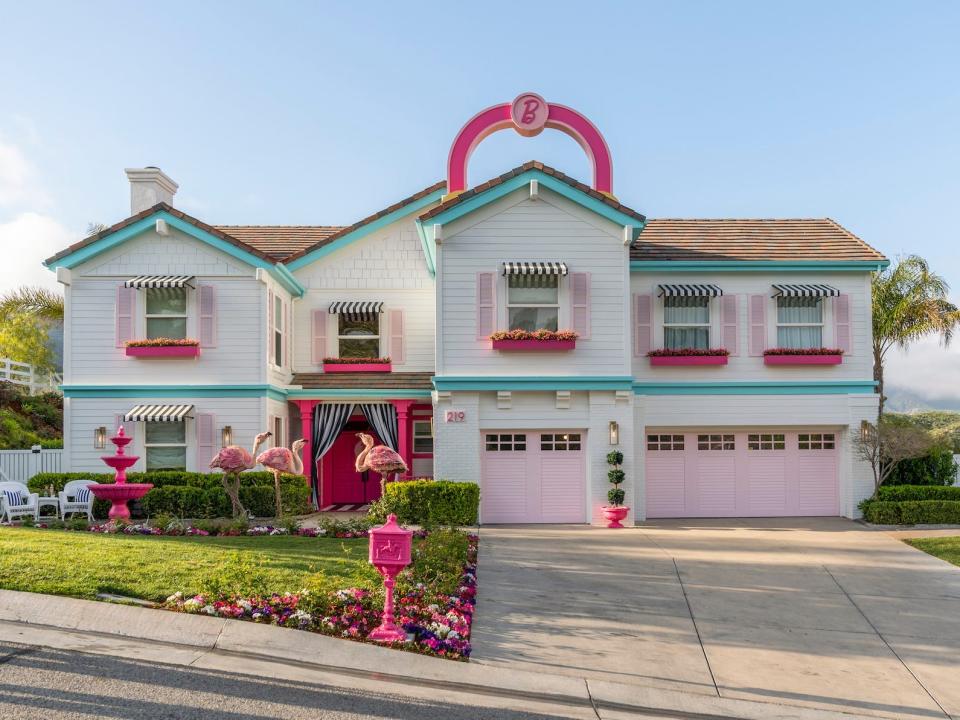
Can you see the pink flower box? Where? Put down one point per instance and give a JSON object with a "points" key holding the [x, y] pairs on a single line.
{"points": [[688, 359], [181, 351], [357, 367], [802, 359], [534, 345]]}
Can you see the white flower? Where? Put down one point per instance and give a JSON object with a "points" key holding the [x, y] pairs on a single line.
{"points": [[210, 610], [176, 597], [191, 605]]}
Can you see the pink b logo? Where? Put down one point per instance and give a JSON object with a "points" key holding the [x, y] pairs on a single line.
{"points": [[529, 114]]}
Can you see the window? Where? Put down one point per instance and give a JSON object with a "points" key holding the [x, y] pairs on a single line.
{"points": [[799, 322], [359, 337], [422, 436], [278, 439], [817, 441], [277, 331], [561, 441], [686, 322], [766, 442], [664, 442], [506, 443], [166, 445], [715, 442], [166, 313], [533, 302]]}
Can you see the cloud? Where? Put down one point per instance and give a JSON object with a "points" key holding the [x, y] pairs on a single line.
{"points": [[927, 369], [20, 186], [25, 242]]}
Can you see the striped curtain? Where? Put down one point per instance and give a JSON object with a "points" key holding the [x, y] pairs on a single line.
{"points": [[383, 418], [329, 420]]}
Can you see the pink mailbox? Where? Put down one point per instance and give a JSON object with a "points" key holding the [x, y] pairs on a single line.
{"points": [[390, 550]]}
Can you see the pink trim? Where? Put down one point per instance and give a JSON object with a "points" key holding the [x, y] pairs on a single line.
{"points": [[165, 351], [356, 367], [688, 359], [802, 359], [404, 432], [534, 345]]}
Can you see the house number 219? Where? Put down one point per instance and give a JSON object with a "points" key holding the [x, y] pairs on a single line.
{"points": [[454, 416]]}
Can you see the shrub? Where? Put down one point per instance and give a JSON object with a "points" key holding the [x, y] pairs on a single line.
{"points": [[912, 512], [430, 503], [688, 352], [439, 558], [615, 495], [803, 351], [898, 493], [934, 468]]}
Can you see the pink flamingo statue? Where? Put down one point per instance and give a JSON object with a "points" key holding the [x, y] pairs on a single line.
{"points": [[233, 460], [380, 459], [282, 460]]}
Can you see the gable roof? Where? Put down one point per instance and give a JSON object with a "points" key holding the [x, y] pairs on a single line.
{"points": [[281, 241]]}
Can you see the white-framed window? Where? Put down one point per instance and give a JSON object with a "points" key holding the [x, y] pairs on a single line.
{"points": [[533, 302], [358, 336], [799, 322], [278, 329], [166, 312], [166, 445], [278, 439], [766, 441], [816, 441], [506, 442], [686, 322], [664, 442], [551, 442], [422, 436], [716, 442]]}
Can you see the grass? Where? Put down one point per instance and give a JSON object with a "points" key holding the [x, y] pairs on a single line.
{"points": [[81, 564], [945, 548]]}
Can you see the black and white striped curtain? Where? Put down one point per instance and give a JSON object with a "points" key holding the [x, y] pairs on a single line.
{"points": [[329, 420], [383, 418]]}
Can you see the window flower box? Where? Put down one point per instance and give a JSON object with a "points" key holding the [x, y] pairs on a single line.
{"points": [[355, 365], [803, 356], [688, 356], [537, 341], [163, 348]]}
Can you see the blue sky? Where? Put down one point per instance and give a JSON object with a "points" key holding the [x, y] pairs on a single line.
{"points": [[320, 113]]}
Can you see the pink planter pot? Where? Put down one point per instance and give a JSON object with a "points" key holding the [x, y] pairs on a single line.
{"points": [[802, 359], [357, 367], [181, 351], [534, 345], [688, 359], [613, 515]]}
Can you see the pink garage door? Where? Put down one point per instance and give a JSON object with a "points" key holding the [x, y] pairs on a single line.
{"points": [[734, 473], [533, 477]]}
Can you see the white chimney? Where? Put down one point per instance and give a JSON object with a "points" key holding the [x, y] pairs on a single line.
{"points": [[149, 186]]}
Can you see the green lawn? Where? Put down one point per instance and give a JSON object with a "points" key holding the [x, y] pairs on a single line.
{"points": [[82, 564], [945, 548]]}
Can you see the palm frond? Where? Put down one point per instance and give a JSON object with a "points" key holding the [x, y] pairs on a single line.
{"points": [[36, 301]]}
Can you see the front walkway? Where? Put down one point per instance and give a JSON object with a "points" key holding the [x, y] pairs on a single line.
{"points": [[815, 612]]}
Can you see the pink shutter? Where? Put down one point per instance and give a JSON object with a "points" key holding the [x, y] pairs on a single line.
{"points": [[642, 324], [580, 303], [486, 304], [270, 348], [206, 447], [398, 345], [125, 305], [129, 429], [208, 316], [318, 342], [841, 323], [729, 320], [758, 324]]}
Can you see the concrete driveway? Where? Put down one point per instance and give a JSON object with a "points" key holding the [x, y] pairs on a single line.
{"points": [[813, 612]]}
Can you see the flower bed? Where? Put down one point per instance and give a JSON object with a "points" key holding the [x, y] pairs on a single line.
{"points": [[163, 347], [536, 341], [802, 356], [688, 356]]}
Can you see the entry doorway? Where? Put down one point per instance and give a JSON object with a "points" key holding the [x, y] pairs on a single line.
{"points": [[347, 485]]}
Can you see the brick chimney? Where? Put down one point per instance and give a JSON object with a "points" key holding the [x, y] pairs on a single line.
{"points": [[149, 186]]}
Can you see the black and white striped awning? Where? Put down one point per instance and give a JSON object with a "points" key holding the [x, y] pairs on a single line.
{"points": [[357, 310], [158, 413], [534, 268], [690, 291], [159, 281], [804, 291]]}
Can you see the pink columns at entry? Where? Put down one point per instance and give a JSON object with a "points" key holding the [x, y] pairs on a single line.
{"points": [[306, 426], [404, 432]]}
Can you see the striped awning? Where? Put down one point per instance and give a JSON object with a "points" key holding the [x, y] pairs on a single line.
{"points": [[804, 291], [159, 281], [158, 413], [358, 310], [534, 268], [690, 291]]}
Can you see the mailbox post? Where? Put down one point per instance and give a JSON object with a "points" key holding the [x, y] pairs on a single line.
{"points": [[390, 549]]}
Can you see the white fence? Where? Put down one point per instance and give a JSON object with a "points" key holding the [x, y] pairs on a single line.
{"points": [[21, 465], [25, 375]]}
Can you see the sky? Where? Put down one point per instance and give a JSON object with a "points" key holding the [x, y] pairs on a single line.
{"points": [[322, 113]]}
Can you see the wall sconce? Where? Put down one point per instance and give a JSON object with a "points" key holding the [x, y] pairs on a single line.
{"points": [[226, 436], [614, 433], [866, 430], [100, 438]]}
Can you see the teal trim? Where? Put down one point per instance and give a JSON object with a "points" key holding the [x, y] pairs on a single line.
{"points": [[428, 242], [173, 391], [499, 382], [548, 181], [320, 393], [749, 387], [300, 290], [365, 230], [758, 265]]}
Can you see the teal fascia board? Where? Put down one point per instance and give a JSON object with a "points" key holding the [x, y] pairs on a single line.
{"points": [[429, 244], [321, 393], [367, 229], [757, 265], [747, 387], [496, 382], [174, 391]]}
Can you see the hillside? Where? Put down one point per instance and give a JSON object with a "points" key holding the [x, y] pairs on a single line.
{"points": [[27, 420], [942, 423]]}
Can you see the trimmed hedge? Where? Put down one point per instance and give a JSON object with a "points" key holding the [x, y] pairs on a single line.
{"points": [[899, 493], [934, 468], [430, 503], [912, 512]]}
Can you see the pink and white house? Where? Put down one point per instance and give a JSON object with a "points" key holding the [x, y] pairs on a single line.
{"points": [[760, 373]]}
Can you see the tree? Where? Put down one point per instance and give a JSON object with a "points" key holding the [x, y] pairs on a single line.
{"points": [[909, 302], [34, 301], [26, 316], [884, 445]]}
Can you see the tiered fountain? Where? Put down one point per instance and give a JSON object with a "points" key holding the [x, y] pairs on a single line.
{"points": [[121, 492]]}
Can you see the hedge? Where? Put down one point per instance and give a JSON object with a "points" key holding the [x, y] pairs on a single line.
{"points": [[934, 468], [899, 493], [912, 512], [430, 503]]}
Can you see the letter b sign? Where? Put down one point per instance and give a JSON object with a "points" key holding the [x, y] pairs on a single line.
{"points": [[529, 114]]}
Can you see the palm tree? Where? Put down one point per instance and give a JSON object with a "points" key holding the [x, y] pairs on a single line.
{"points": [[37, 302], [909, 302]]}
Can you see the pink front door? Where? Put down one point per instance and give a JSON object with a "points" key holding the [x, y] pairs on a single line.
{"points": [[533, 477], [349, 486]]}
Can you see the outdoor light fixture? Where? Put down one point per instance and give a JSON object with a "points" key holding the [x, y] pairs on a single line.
{"points": [[226, 436], [614, 433], [100, 438], [866, 430]]}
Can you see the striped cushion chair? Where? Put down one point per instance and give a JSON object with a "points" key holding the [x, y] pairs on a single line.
{"points": [[76, 498], [16, 501]]}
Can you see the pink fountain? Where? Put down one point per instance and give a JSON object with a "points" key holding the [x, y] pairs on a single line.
{"points": [[121, 492]]}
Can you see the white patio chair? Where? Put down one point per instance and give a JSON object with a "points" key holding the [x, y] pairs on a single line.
{"points": [[76, 498], [17, 501]]}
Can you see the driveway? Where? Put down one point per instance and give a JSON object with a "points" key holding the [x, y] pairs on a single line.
{"points": [[814, 612]]}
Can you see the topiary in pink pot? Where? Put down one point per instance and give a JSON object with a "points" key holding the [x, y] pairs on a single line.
{"points": [[616, 511]]}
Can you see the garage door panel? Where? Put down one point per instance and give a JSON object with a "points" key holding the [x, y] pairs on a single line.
{"points": [[562, 488], [505, 488], [817, 489], [767, 484], [665, 484], [717, 484]]}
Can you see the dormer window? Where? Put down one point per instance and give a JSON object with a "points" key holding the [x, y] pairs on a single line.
{"points": [[533, 295]]}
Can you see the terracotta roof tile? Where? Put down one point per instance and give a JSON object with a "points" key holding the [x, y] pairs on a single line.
{"points": [[364, 380]]}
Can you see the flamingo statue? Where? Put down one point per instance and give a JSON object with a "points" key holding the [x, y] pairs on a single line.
{"points": [[233, 460], [380, 459], [281, 460]]}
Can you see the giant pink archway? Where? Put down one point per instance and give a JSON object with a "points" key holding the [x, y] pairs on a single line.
{"points": [[529, 114]]}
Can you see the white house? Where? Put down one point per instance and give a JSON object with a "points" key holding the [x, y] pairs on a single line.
{"points": [[426, 282]]}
